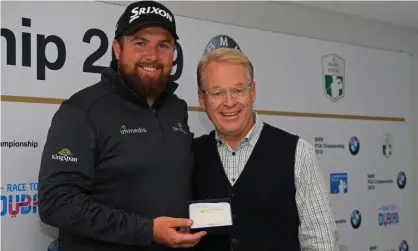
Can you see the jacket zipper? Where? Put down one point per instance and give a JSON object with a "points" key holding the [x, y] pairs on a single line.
{"points": [[153, 110]]}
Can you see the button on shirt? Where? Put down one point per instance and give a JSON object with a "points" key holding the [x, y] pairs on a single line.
{"points": [[318, 230]]}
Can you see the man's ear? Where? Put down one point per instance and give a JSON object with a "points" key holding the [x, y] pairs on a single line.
{"points": [[116, 48], [201, 100], [253, 91]]}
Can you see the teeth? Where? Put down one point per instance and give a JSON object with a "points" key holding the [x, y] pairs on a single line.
{"points": [[229, 113], [149, 68]]}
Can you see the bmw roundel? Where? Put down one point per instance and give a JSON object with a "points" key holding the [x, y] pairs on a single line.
{"points": [[355, 219], [401, 180], [221, 41], [354, 145], [404, 246]]}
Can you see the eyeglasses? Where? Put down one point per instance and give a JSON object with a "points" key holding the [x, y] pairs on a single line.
{"points": [[219, 95]]}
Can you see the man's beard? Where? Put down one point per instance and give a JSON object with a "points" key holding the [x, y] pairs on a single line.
{"points": [[144, 86]]}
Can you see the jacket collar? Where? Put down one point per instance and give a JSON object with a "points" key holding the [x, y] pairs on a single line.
{"points": [[110, 75]]}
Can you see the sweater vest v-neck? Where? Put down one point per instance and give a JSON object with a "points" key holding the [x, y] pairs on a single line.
{"points": [[263, 204]]}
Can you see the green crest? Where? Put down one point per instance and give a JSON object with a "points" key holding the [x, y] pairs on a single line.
{"points": [[333, 69]]}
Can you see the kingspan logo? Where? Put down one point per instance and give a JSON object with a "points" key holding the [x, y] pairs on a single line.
{"points": [[221, 41], [125, 130], [64, 155]]}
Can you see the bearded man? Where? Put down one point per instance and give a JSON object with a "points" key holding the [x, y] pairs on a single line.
{"points": [[116, 167]]}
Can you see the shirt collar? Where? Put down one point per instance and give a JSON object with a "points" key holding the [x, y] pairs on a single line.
{"points": [[252, 136]]}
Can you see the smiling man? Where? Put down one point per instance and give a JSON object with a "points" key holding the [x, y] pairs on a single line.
{"points": [[115, 173], [270, 177]]}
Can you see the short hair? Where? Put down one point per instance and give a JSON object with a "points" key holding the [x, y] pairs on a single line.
{"points": [[226, 55]]}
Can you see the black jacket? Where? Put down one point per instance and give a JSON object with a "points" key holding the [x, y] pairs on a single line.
{"points": [[111, 164]]}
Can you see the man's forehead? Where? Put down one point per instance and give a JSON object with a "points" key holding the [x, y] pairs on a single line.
{"points": [[153, 30]]}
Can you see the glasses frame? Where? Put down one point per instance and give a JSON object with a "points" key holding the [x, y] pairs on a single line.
{"points": [[225, 91]]}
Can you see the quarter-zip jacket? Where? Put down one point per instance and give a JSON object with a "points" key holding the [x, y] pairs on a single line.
{"points": [[111, 164]]}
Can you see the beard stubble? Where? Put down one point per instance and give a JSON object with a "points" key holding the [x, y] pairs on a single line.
{"points": [[143, 85]]}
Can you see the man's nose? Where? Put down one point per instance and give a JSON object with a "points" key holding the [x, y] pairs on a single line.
{"points": [[152, 53], [229, 99]]}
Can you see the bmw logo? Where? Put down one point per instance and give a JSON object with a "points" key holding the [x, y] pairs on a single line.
{"points": [[401, 180], [354, 145], [403, 246], [221, 41], [355, 219]]}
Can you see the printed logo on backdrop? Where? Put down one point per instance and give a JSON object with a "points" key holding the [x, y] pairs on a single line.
{"points": [[401, 180], [388, 215], [354, 145], [19, 144], [54, 246], [338, 183], [387, 145], [19, 199], [54, 43], [333, 69], [340, 221], [403, 246], [356, 219], [373, 248], [322, 145], [221, 41], [372, 181]]}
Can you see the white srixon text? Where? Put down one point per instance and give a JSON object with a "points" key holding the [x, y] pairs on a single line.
{"points": [[149, 10]]}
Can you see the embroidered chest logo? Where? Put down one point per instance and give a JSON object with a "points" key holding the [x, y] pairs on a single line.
{"points": [[124, 130], [179, 128]]}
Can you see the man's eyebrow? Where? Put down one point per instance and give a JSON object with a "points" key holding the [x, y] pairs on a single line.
{"points": [[136, 37]]}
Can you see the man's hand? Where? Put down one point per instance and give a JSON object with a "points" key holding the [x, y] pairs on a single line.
{"points": [[165, 232]]}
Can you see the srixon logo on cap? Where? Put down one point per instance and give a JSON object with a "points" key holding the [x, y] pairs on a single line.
{"points": [[149, 10]]}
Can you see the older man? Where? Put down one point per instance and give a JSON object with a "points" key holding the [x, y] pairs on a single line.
{"points": [[271, 177]]}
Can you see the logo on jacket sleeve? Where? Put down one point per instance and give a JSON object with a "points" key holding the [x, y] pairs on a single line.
{"points": [[179, 128], [64, 155]]}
